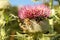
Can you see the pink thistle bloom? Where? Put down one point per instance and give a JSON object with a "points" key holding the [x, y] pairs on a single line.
{"points": [[33, 11]]}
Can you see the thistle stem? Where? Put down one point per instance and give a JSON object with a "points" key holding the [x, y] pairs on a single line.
{"points": [[51, 30]]}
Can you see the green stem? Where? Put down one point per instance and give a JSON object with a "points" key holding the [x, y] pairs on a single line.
{"points": [[51, 20], [51, 4]]}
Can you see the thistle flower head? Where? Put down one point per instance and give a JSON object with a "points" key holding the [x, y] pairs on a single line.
{"points": [[33, 11]]}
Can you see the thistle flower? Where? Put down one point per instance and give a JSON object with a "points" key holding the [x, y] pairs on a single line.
{"points": [[33, 11]]}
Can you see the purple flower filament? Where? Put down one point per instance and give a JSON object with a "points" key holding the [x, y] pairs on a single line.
{"points": [[33, 11]]}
